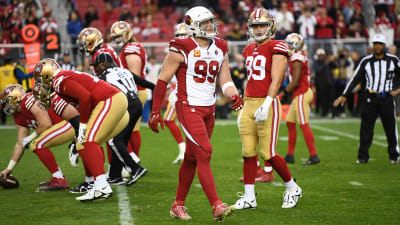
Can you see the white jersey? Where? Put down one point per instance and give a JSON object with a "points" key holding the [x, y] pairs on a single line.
{"points": [[197, 75], [122, 79]]}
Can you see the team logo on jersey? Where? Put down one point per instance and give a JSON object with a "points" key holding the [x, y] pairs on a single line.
{"points": [[196, 53]]}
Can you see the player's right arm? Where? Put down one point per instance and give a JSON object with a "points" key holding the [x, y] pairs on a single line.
{"points": [[170, 66], [18, 150]]}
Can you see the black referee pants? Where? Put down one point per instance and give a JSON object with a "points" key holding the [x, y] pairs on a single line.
{"points": [[120, 156], [384, 106]]}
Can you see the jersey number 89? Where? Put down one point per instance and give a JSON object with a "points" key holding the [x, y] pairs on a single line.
{"points": [[256, 67]]}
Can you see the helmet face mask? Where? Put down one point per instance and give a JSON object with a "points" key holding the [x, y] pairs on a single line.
{"points": [[43, 93], [295, 42], [180, 30], [88, 39], [11, 98], [121, 33], [198, 25], [258, 18]]}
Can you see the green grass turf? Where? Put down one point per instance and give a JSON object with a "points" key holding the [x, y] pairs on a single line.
{"points": [[328, 197]]}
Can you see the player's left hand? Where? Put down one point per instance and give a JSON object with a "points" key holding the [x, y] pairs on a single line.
{"points": [[261, 114], [81, 134], [156, 118], [237, 102]]}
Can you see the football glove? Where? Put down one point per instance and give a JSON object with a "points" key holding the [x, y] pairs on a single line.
{"points": [[156, 118], [28, 139], [73, 154], [262, 112], [237, 102], [81, 134]]}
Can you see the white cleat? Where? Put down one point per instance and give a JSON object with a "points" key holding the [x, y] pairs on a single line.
{"points": [[178, 159], [245, 203], [290, 198], [97, 192], [73, 155]]}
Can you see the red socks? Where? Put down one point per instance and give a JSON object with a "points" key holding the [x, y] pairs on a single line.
{"points": [[292, 137], [135, 142], [186, 175], [309, 138], [92, 158], [175, 131], [280, 166], [47, 158], [249, 169]]}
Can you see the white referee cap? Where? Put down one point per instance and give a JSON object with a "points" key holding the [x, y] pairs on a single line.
{"points": [[379, 38]]}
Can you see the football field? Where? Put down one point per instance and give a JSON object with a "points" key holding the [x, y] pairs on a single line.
{"points": [[336, 191]]}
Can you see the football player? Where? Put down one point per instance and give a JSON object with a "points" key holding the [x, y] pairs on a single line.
{"points": [[50, 130], [198, 61], [124, 81], [90, 40], [133, 58], [266, 63], [302, 96], [170, 113], [103, 115]]}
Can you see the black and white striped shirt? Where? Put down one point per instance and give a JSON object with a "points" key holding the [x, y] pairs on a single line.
{"points": [[122, 79], [68, 67], [378, 74]]}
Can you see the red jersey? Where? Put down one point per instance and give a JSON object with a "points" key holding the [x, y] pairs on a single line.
{"points": [[137, 49], [105, 48], [196, 76], [258, 65], [82, 89], [26, 119], [304, 82]]}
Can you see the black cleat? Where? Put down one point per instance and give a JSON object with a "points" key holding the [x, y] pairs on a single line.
{"points": [[115, 181], [312, 160], [289, 158], [140, 172], [82, 188]]}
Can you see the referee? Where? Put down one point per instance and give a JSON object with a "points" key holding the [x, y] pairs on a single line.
{"points": [[376, 72]]}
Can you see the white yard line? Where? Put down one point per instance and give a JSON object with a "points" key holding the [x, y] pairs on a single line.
{"points": [[355, 183], [343, 134], [124, 206]]}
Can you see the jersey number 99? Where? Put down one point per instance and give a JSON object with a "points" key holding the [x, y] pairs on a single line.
{"points": [[206, 71]]}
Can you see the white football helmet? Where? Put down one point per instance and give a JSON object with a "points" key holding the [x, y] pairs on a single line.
{"points": [[295, 42], [193, 19], [261, 16]]}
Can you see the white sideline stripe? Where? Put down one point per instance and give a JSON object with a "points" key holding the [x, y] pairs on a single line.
{"points": [[355, 183], [343, 134], [124, 207], [198, 185]]}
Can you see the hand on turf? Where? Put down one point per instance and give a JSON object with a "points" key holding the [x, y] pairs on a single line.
{"points": [[81, 134], [156, 118], [237, 102], [5, 172]]}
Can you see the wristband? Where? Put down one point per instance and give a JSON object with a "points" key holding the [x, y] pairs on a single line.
{"points": [[33, 135], [11, 165], [267, 102], [226, 85]]}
